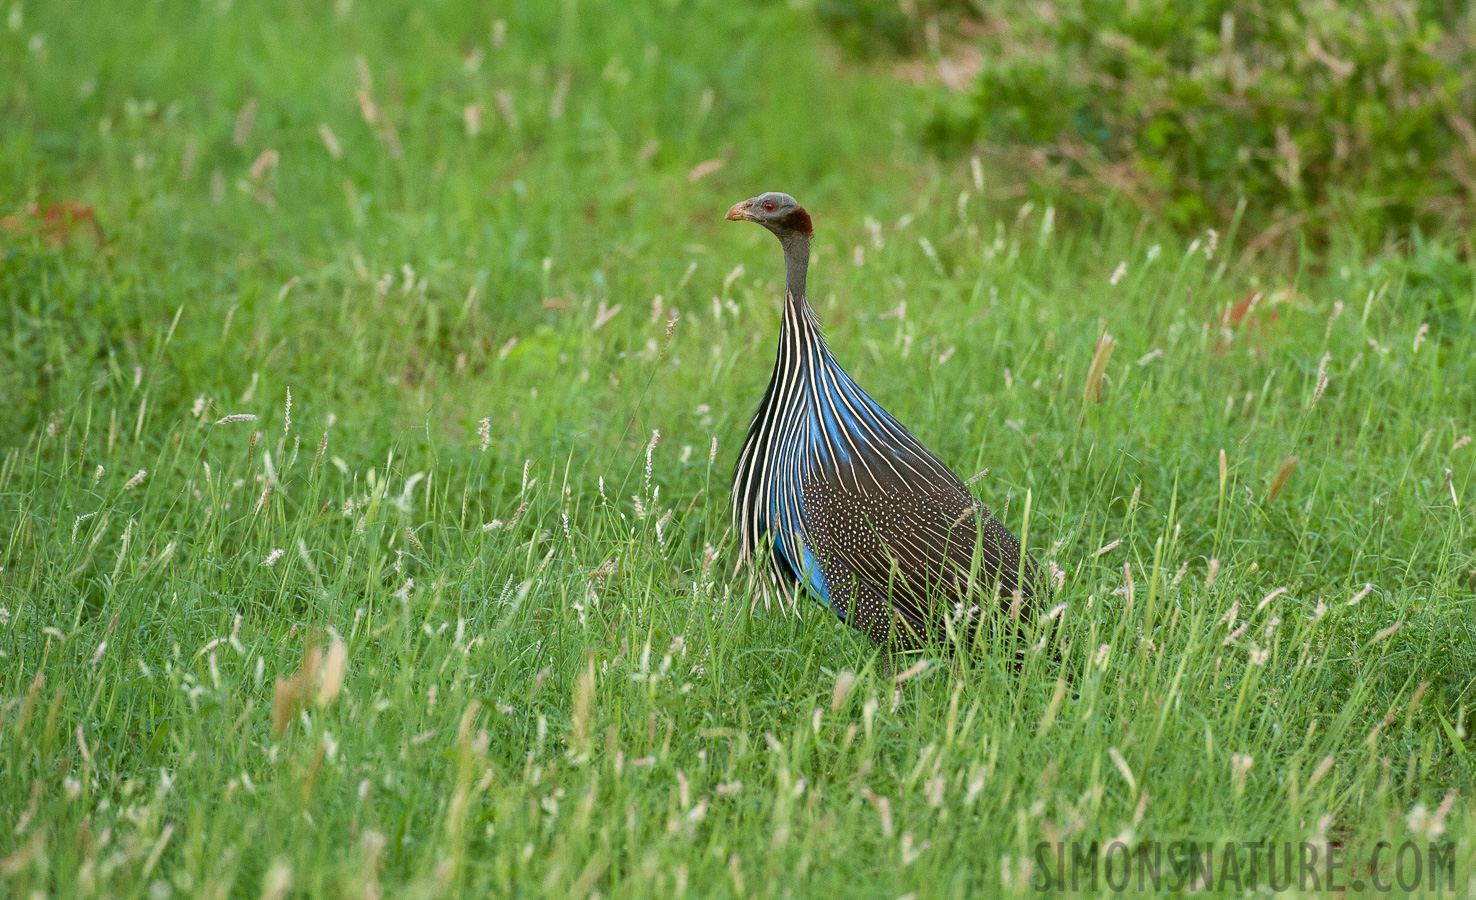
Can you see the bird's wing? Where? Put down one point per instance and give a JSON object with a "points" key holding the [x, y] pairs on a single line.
{"points": [[891, 520], [913, 547]]}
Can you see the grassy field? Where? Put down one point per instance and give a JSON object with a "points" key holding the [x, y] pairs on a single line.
{"points": [[363, 494]]}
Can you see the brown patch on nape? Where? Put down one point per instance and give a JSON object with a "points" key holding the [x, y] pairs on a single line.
{"points": [[799, 221]]}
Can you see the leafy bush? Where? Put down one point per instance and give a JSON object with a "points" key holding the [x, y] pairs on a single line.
{"points": [[871, 27], [1315, 112]]}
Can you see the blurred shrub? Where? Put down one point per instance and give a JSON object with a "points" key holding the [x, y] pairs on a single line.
{"points": [[869, 28], [1316, 112]]}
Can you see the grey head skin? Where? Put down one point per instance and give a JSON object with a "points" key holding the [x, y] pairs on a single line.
{"points": [[782, 214], [778, 212]]}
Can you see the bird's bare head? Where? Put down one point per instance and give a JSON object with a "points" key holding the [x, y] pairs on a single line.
{"points": [[780, 213]]}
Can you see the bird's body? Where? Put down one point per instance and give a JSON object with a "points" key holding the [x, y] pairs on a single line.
{"points": [[831, 493]]}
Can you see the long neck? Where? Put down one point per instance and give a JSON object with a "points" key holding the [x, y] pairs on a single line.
{"points": [[796, 262]]}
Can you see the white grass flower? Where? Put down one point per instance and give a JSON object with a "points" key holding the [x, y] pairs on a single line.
{"points": [[1322, 769], [330, 141], [1385, 633], [334, 668], [1321, 379], [843, 684], [604, 315], [1430, 826], [484, 432], [136, 480], [883, 809], [1117, 274], [913, 671], [909, 854], [927, 248], [1122, 767], [277, 881], [236, 417], [651, 448], [1269, 597], [1420, 336], [1240, 766], [272, 557]]}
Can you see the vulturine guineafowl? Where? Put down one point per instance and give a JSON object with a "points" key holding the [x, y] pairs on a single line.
{"points": [[833, 495]]}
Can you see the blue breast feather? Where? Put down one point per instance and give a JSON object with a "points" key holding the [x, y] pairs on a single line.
{"points": [[831, 417]]}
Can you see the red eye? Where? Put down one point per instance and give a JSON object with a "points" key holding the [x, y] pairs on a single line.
{"points": [[769, 207]]}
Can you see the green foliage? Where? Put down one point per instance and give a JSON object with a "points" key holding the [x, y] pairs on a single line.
{"points": [[1316, 113], [867, 28]]}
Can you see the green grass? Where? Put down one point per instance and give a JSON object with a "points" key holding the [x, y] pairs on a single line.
{"points": [[583, 698]]}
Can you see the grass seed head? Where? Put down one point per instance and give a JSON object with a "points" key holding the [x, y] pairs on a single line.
{"points": [[1240, 766], [334, 669], [1282, 475], [843, 684], [277, 881], [1100, 357], [289, 694]]}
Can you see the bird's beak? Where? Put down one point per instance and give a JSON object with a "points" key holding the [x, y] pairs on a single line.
{"points": [[738, 212]]}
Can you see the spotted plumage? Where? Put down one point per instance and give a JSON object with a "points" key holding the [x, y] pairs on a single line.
{"points": [[833, 495]]}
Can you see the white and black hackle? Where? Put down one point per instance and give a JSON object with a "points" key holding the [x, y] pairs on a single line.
{"points": [[833, 495]]}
